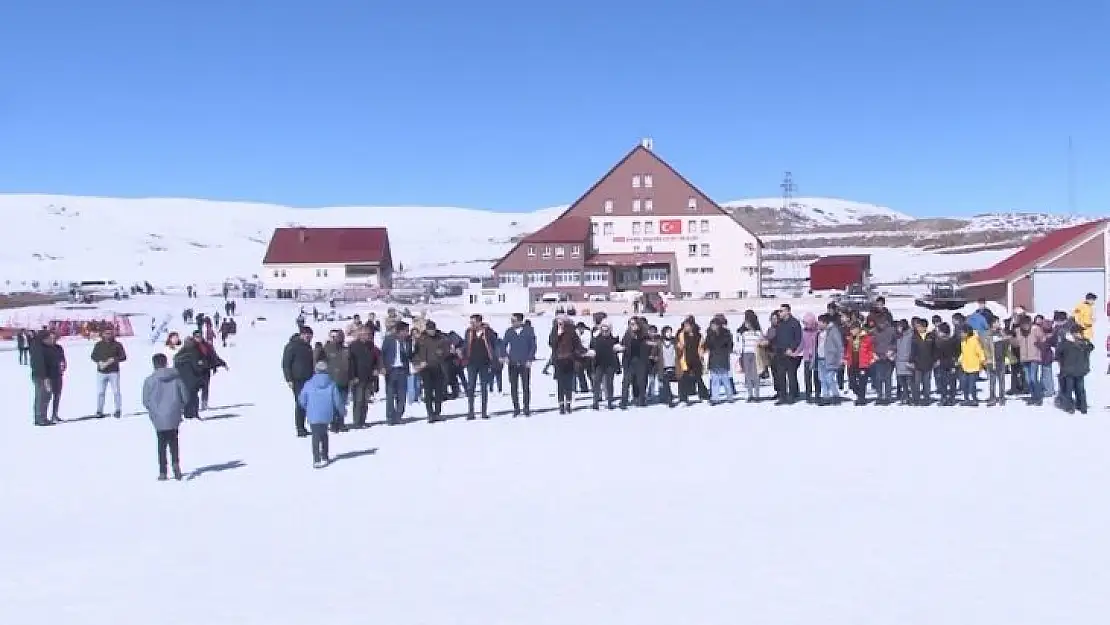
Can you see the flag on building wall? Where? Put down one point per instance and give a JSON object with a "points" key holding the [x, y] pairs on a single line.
{"points": [[670, 226]]}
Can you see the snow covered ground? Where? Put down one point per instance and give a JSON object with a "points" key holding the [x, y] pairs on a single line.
{"points": [[735, 514]]}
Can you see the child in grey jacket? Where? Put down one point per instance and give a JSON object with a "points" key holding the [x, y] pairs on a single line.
{"points": [[164, 397], [902, 367]]}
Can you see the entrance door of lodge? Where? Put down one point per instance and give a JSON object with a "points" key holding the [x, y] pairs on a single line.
{"points": [[627, 279]]}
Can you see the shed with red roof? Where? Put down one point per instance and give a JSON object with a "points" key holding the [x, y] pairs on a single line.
{"points": [[1053, 272], [317, 261]]}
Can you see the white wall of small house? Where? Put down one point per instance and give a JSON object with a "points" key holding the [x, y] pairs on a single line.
{"points": [[295, 277], [731, 267], [500, 301]]}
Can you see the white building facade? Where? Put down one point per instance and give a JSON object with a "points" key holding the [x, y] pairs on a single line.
{"points": [[714, 256]]}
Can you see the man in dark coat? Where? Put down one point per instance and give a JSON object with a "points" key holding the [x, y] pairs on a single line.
{"points": [[191, 370], [786, 355], [429, 355], [923, 357], [365, 364], [338, 357], [479, 351], [298, 367], [48, 363], [396, 358], [635, 354]]}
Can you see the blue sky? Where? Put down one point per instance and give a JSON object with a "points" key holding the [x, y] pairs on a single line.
{"points": [[932, 107]]}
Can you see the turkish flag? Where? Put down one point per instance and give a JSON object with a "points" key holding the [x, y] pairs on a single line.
{"points": [[670, 226]]}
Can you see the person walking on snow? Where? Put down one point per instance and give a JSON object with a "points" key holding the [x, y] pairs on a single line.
{"points": [[297, 367], [479, 352], [48, 363], [164, 397], [396, 357], [338, 357], [107, 354], [320, 400], [519, 345]]}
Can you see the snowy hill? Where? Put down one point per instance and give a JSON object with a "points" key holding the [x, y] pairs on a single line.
{"points": [[64, 238]]}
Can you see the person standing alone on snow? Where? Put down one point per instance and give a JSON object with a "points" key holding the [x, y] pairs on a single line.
{"points": [[320, 400], [297, 366], [164, 397], [107, 354]]}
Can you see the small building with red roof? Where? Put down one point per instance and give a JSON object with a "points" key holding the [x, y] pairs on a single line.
{"points": [[1053, 272], [316, 261], [641, 227]]}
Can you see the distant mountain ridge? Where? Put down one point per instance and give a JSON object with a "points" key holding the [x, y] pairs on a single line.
{"points": [[61, 238]]}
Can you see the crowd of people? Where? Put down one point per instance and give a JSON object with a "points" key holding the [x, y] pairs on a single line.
{"points": [[876, 358]]}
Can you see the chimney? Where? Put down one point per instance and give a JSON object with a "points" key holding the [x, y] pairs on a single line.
{"points": [[646, 143]]}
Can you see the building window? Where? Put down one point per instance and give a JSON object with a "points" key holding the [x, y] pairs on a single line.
{"points": [[751, 270], [649, 205], [511, 278], [596, 277], [705, 270], [649, 228], [567, 278], [547, 251], [635, 228], [742, 294], [539, 278], [607, 228], [635, 249], [692, 204], [654, 275], [321, 273], [692, 227], [575, 251], [593, 228], [692, 249], [501, 298], [704, 226], [473, 299], [691, 270], [712, 295], [705, 249], [560, 251], [635, 182], [275, 273], [282, 273], [686, 295], [608, 206], [649, 182], [532, 250], [636, 206], [648, 249], [749, 249]]}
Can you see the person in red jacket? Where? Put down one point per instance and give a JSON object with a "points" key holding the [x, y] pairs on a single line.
{"points": [[858, 357]]}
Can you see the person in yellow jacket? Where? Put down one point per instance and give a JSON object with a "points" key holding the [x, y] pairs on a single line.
{"points": [[972, 360], [1084, 315]]}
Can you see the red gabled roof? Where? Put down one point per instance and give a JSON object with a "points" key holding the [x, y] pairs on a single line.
{"points": [[631, 260], [862, 260], [1036, 250], [293, 246], [609, 173], [563, 230]]}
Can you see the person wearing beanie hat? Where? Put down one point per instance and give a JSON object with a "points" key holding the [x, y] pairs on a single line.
{"points": [[320, 400]]}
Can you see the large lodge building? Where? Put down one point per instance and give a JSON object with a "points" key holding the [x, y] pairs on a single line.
{"points": [[642, 227]]}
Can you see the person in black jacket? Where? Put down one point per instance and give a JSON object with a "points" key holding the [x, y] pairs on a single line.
{"points": [[211, 362], [107, 354], [48, 363], [365, 365], [923, 358], [23, 344], [191, 369], [605, 364], [786, 355], [298, 366], [635, 354], [1074, 354], [947, 353], [718, 350]]}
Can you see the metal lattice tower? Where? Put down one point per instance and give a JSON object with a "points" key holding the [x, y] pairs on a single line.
{"points": [[788, 188]]}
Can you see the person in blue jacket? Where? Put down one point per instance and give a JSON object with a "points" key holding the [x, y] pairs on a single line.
{"points": [[321, 401], [519, 352]]}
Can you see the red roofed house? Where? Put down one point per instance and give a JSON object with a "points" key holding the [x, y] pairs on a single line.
{"points": [[1052, 273], [317, 261], [641, 227]]}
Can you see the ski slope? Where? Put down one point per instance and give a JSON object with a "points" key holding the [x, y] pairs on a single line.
{"points": [[735, 514]]}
